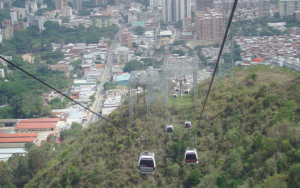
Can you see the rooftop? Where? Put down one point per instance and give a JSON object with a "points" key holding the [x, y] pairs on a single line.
{"points": [[16, 140], [123, 77], [138, 23], [19, 135]]}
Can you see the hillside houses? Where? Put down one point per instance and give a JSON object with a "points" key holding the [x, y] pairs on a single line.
{"points": [[273, 49]]}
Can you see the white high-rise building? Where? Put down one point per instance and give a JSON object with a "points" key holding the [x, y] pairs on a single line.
{"points": [[0, 36], [176, 10], [13, 15], [31, 6], [67, 11]]}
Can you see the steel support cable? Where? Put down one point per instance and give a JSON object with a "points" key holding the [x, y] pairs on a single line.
{"points": [[219, 56], [66, 96]]}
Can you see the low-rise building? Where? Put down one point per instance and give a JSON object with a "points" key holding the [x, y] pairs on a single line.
{"points": [[122, 79], [36, 125], [101, 20]]}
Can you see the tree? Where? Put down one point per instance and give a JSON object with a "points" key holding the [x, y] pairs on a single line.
{"points": [[37, 159], [133, 65], [29, 145], [84, 12], [254, 77], [179, 42], [3, 99], [178, 24], [193, 178], [108, 86], [22, 105], [134, 45], [276, 15], [76, 125], [180, 52], [139, 30], [6, 176]]}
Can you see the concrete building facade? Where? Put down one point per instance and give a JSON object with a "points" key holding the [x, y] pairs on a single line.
{"points": [[288, 7], [208, 25], [60, 4], [202, 5], [7, 32], [101, 20], [77, 5], [125, 38], [264, 8], [176, 10]]}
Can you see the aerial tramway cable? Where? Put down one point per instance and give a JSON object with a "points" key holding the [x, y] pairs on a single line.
{"points": [[16, 66], [219, 56]]}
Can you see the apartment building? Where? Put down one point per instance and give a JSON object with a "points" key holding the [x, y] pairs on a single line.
{"points": [[264, 8], [176, 10], [101, 20], [125, 38], [288, 7], [77, 5], [202, 5], [60, 4], [209, 25]]}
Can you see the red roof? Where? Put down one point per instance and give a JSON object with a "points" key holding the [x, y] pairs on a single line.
{"points": [[99, 66], [19, 135], [257, 59], [35, 125], [16, 140], [37, 120]]}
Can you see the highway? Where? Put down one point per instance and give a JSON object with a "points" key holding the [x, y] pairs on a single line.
{"points": [[105, 77]]}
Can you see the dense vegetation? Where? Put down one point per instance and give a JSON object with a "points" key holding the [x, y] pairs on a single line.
{"points": [[30, 40], [249, 137], [140, 65], [4, 14], [250, 27], [22, 93]]}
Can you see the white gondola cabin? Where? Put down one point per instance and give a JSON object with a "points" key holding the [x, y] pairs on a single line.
{"points": [[187, 125], [191, 156], [187, 91], [174, 96], [177, 90], [169, 129], [146, 163]]}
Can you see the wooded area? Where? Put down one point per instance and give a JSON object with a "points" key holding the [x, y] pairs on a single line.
{"points": [[249, 137]]}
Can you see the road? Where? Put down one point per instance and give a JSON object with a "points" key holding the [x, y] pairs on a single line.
{"points": [[107, 74]]}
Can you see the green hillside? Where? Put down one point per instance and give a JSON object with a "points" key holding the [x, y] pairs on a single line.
{"points": [[249, 137]]}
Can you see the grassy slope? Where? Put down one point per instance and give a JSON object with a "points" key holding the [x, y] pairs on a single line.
{"points": [[249, 137]]}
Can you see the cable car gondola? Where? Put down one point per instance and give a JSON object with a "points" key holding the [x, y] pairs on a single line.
{"points": [[187, 125], [174, 96], [186, 91], [177, 90], [191, 156], [146, 163], [170, 129]]}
